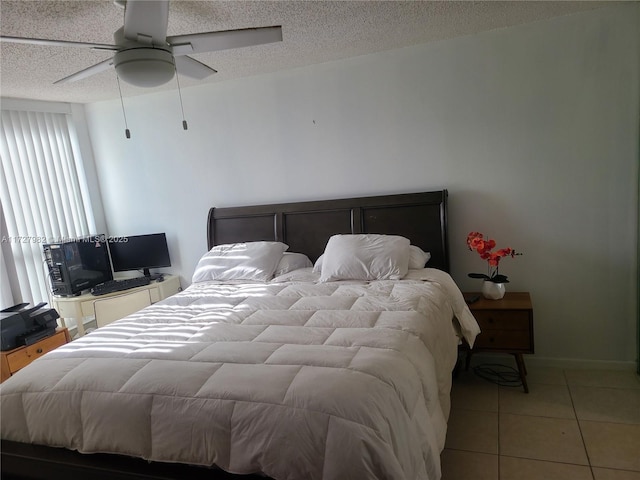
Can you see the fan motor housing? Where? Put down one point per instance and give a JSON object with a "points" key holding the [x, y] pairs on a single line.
{"points": [[145, 66]]}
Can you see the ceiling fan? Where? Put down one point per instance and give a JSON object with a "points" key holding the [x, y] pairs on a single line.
{"points": [[146, 57]]}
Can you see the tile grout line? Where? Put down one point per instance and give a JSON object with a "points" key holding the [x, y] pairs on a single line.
{"points": [[584, 443]]}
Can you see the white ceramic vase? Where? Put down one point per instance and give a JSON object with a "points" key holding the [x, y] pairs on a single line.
{"points": [[492, 290]]}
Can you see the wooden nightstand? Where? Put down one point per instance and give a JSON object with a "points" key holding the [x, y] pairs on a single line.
{"points": [[13, 360], [506, 326]]}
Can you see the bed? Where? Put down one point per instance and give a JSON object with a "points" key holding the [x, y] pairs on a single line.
{"points": [[301, 374]]}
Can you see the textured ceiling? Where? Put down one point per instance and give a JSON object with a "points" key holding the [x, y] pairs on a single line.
{"points": [[313, 32]]}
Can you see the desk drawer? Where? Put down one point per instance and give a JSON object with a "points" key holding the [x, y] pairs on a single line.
{"points": [[24, 356], [502, 319]]}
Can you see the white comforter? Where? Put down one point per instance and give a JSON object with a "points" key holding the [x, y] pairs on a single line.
{"points": [[295, 380]]}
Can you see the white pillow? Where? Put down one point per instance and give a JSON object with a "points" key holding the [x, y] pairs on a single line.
{"points": [[317, 267], [240, 261], [305, 275], [418, 258], [292, 261], [365, 257]]}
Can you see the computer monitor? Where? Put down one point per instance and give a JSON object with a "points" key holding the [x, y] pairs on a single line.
{"points": [[139, 252]]}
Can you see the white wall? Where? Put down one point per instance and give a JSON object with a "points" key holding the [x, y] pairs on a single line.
{"points": [[533, 129]]}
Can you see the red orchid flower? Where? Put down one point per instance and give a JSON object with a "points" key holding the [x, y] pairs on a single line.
{"points": [[476, 241]]}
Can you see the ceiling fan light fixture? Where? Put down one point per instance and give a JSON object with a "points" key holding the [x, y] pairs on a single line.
{"points": [[145, 67]]}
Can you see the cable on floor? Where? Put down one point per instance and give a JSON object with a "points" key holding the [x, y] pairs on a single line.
{"points": [[502, 375]]}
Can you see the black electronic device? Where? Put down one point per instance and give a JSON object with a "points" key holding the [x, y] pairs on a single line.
{"points": [[471, 299], [139, 252], [25, 326], [120, 285], [78, 264]]}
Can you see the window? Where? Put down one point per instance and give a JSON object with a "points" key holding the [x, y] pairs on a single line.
{"points": [[44, 197]]}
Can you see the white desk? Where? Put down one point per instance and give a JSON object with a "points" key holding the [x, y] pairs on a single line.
{"points": [[82, 306]]}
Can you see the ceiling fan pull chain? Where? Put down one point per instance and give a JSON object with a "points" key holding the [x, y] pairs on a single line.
{"points": [[127, 133], [184, 122]]}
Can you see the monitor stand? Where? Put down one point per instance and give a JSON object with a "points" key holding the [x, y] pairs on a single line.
{"points": [[152, 276]]}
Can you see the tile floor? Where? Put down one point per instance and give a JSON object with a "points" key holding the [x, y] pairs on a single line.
{"points": [[573, 425]]}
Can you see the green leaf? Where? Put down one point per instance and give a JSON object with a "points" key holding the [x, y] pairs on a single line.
{"points": [[499, 279], [479, 275]]}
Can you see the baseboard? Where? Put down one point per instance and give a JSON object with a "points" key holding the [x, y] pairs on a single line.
{"points": [[568, 363]]}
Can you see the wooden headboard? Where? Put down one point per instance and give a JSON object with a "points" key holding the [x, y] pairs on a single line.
{"points": [[307, 226]]}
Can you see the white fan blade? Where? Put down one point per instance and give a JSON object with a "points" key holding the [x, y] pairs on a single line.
{"points": [[58, 43], [190, 67], [145, 21], [213, 41], [87, 72]]}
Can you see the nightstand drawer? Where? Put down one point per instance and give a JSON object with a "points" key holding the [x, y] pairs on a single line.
{"points": [[509, 340], [502, 319], [24, 356]]}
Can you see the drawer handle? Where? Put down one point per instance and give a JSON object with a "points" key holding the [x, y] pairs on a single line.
{"points": [[490, 319], [491, 340], [39, 350]]}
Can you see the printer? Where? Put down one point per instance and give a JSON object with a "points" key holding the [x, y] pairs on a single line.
{"points": [[20, 325]]}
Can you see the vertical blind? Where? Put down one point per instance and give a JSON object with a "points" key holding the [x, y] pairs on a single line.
{"points": [[44, 198]]}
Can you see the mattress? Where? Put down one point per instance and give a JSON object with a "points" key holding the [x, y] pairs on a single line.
{"points": [[293, 378]]}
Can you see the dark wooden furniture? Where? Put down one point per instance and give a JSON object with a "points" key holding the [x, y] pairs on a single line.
{"points": [[506, 327], [13, 360], [305, 227]]}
